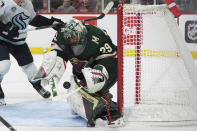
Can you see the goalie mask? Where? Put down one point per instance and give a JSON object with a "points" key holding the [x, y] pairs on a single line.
{"points": [[75, 35]]}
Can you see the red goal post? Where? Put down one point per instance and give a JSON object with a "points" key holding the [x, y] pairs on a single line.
{"points": [[156, 73]]}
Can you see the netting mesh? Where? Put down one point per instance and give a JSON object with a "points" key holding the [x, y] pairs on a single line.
{"points": [[157, 83]]}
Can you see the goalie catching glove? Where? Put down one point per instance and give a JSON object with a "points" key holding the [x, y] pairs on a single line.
{"points": [[52, 66], [95, 78]]}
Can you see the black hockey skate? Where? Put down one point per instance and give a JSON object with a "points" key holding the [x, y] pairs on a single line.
{"points": [[2, 101], [37, 86]]}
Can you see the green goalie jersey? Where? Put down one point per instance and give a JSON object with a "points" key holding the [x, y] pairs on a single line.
{"points": [[98, 52], [98, 46]]}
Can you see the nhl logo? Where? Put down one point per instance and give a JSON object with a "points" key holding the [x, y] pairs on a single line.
{"points": [[191, 32]]}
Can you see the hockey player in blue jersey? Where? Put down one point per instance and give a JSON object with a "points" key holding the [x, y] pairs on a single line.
{"points": [[16, 15]]}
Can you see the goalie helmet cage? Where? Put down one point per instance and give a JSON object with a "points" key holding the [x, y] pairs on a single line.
{"points": [[156, 73]]}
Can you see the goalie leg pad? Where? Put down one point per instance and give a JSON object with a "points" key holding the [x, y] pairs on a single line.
{"points": [[92, 107], [95, 78], [76, 100]]}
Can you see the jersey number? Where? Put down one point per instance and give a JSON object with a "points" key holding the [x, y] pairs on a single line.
{"points": [[18, 20], [106, 48]]}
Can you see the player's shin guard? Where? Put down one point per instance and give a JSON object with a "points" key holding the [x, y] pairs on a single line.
{"points": [[38, 87]]}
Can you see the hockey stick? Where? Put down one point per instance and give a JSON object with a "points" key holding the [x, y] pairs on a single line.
{"points": [[105, 11], [7, 124], [36, 28]]}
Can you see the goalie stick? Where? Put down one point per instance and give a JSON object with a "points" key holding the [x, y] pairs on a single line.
{"points": [[36, 28], [7, 124], [105, 11]]}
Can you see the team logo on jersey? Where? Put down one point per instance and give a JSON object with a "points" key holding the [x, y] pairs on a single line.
{"points": [[18, 20], [80, 64], [13, 9]]}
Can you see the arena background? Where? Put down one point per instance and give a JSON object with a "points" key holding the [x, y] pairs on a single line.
{"points": [[41, 39]]}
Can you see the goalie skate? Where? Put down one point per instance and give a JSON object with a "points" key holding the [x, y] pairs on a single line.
{"points": [[100, 122]]}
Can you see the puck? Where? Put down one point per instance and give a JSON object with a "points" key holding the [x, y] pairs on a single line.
{"points": [[66, 85]]}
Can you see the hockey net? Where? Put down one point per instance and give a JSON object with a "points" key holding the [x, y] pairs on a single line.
{"points": [[157, 77]]}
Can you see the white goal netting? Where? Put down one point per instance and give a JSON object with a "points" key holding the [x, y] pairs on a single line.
{"points": [[159, 77]]}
